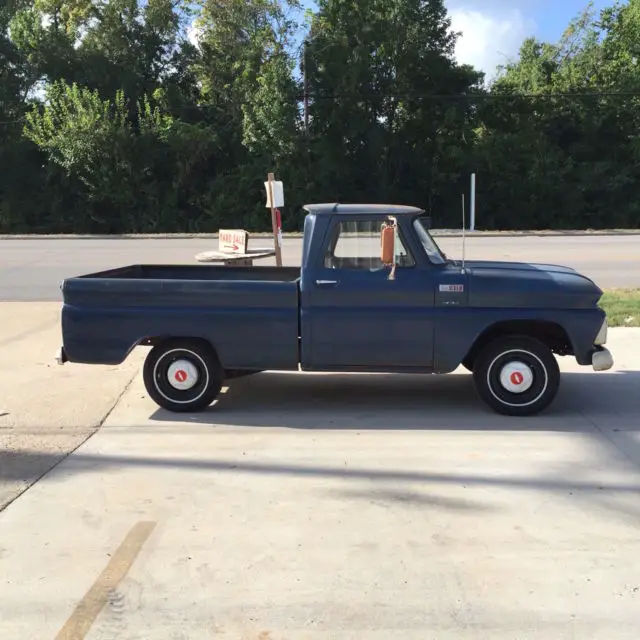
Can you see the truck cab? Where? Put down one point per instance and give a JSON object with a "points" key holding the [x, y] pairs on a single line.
{"points": [[353, 314]]}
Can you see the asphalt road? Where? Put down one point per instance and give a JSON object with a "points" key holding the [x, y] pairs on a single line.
{"points": [[33, 269]]}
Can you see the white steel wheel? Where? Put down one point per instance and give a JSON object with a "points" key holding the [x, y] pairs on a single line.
{"points": [[183, 375], [517, 375]]}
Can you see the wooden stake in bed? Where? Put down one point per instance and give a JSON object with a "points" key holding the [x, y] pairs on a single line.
{"points": [[275, 225]]}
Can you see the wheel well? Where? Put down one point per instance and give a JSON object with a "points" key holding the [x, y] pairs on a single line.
{"points": [[550, 333], [153, 341]]}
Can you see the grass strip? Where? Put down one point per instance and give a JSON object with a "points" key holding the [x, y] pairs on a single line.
{"points": [[622, 307]]}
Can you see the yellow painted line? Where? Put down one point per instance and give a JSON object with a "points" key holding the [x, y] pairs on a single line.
{"points": [[88, 609]]}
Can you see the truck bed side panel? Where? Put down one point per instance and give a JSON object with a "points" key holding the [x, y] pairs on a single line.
{"points": [[252, 325]]}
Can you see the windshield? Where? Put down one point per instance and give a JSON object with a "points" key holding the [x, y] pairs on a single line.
{"points": [[433, 251]]}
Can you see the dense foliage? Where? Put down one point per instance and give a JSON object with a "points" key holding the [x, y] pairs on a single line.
{"points": [[166, 115]]}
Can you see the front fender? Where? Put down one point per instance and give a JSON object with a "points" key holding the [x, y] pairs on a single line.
{"points": [[458, 329]]}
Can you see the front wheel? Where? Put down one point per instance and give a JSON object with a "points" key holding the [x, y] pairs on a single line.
{"points": [[183, 375], [517, 376]]}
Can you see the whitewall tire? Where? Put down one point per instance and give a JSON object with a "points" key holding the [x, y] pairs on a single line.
{"points": [[517, 375], [183, 375]]}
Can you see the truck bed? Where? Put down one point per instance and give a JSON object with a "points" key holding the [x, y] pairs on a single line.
{"points": [[197, 272], [249, 314]]}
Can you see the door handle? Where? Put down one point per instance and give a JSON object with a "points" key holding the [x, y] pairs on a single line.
{"points": [[326, 283]]}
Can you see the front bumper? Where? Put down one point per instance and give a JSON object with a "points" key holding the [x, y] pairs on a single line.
{"points": [[601, 359], [61, 356]]}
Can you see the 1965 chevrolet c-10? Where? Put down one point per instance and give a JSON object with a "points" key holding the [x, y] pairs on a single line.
{"points": [[374, 294]]}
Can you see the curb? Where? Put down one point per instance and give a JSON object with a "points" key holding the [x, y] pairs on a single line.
{"points": [[438, 233]]}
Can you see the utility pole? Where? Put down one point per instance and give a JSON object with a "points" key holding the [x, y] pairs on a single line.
{"points": [[305, 80], [472, 226]]}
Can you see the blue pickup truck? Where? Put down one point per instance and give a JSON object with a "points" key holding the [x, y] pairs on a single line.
{"points": [[374, 294]]}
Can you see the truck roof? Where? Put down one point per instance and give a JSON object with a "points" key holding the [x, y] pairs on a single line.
{"points": [[361, 209]]}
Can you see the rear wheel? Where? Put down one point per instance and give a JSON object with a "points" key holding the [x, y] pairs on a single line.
{"points": [[183, 375], [517, 375]]}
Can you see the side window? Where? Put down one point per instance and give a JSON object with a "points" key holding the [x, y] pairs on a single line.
{"points": [[355, 244]]}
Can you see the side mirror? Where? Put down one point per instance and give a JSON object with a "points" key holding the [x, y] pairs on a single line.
{"points": [[387, 244]]}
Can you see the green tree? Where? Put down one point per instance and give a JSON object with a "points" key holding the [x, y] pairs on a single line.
{"points": [[376, 130], [561, 156], [89, 56], [23, 204], [93, 140], [112, 120], [249, 97]]}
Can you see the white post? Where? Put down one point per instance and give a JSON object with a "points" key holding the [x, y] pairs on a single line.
{"points": [[274, 224], [472, 213]]}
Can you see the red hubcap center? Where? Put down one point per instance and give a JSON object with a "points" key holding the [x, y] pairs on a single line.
{"points": [[181, 376], [517, 377]]}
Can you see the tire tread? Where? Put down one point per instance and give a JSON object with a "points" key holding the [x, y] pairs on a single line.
{"points": [[210, 358], [507, 343]]}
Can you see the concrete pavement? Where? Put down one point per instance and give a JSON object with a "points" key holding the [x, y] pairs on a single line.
{"points": [[34, 269], [44, 407], [315, 506]]}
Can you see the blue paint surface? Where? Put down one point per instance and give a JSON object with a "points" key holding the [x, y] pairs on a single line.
{"points": [[322, 318]]}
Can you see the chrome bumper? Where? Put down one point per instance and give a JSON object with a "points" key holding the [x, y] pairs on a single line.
{"points": [[602, 360], [61, 356]]}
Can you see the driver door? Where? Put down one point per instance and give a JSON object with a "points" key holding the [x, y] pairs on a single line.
{"points": [[354, 316]]}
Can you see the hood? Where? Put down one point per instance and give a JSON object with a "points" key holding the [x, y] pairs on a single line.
{"points": [[532, 285], [519, 266]]}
